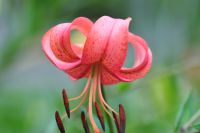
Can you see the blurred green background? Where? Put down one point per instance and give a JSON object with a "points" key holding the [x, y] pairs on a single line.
{"points": [[162, 102]]}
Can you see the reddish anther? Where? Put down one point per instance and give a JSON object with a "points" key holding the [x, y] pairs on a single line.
{"points": [[100, 115], [84, 122], [59, 122], [122, 118], [66, 102], [116, 121]]}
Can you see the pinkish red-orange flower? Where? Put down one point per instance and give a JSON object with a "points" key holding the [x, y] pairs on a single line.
{"points": [[100, 58]]}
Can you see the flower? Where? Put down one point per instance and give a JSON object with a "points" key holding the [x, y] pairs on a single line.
{"points": [[100, 58]]}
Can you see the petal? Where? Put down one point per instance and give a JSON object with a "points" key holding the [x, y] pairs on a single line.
{"points": [[46, 46], [116, 50], [81, 23], [143, 60], [107, 77], [78, 49], [57, 44], [97, 40], [79, 71]]}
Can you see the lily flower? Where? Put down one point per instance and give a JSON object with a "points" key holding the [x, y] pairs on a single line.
{"points": [[100, 59]]}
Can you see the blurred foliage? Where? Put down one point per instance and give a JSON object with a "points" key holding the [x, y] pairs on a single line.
{"points": [[197, 126], [164, 101]]}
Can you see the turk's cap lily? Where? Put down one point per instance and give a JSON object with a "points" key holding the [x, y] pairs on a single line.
{"points": [[100, 59], [106, 45]]}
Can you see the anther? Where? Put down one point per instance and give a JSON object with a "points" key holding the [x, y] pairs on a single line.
{"points": [[122, 118], [66, 102], [59, 122], [84, 122], [116, 121], [100, 115]]}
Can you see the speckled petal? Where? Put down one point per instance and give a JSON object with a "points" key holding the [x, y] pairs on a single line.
{"points": [[57, 56], [57, 44], [143, 60], [107, 77], [82, 24], [97, 40], [79, 71], [116, 50]]}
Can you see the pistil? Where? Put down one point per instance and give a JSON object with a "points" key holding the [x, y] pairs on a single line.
{"points": [[91, 96]]}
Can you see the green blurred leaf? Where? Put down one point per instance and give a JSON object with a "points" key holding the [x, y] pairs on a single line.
{"points": [[9, 53], [182, 113], [165, 92], [123, 87], [196, 126]]}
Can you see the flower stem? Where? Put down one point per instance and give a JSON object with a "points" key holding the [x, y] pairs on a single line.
{"points": [[110, 125], [190, 122]]}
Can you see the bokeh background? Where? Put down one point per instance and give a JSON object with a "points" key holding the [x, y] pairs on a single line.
{"points": [[162, 102]]}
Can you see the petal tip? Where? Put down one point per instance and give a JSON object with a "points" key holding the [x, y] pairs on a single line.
{"points": [[129, 19]]}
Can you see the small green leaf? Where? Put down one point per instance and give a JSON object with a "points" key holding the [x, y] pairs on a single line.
{"points": [[182, 113], [196, 126]]}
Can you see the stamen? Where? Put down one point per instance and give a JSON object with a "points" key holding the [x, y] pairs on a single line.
{"points": [[95, 87], [84, 91], [102, 99], [80, 104], [100, 115], [66, 102], [122, 118], [84, 122], [116, 122], [59, 122], [96, 129], [106, 110]]}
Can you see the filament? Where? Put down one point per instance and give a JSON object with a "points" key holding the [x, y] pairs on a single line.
{"points": [[80, 104], [99, 87], [84, 91], [90, 107], [102, 99], [94, 85]]}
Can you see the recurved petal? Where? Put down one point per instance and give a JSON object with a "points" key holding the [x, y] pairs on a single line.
{"points": [[108, 77], [97, 40], [78, 49], [57, 43], [143, 60], [117, 47], [56, 55], [82, 24], [79, 71]]}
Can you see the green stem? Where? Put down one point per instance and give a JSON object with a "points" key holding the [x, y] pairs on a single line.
{"points": [[190, 122], [110, 125]]}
